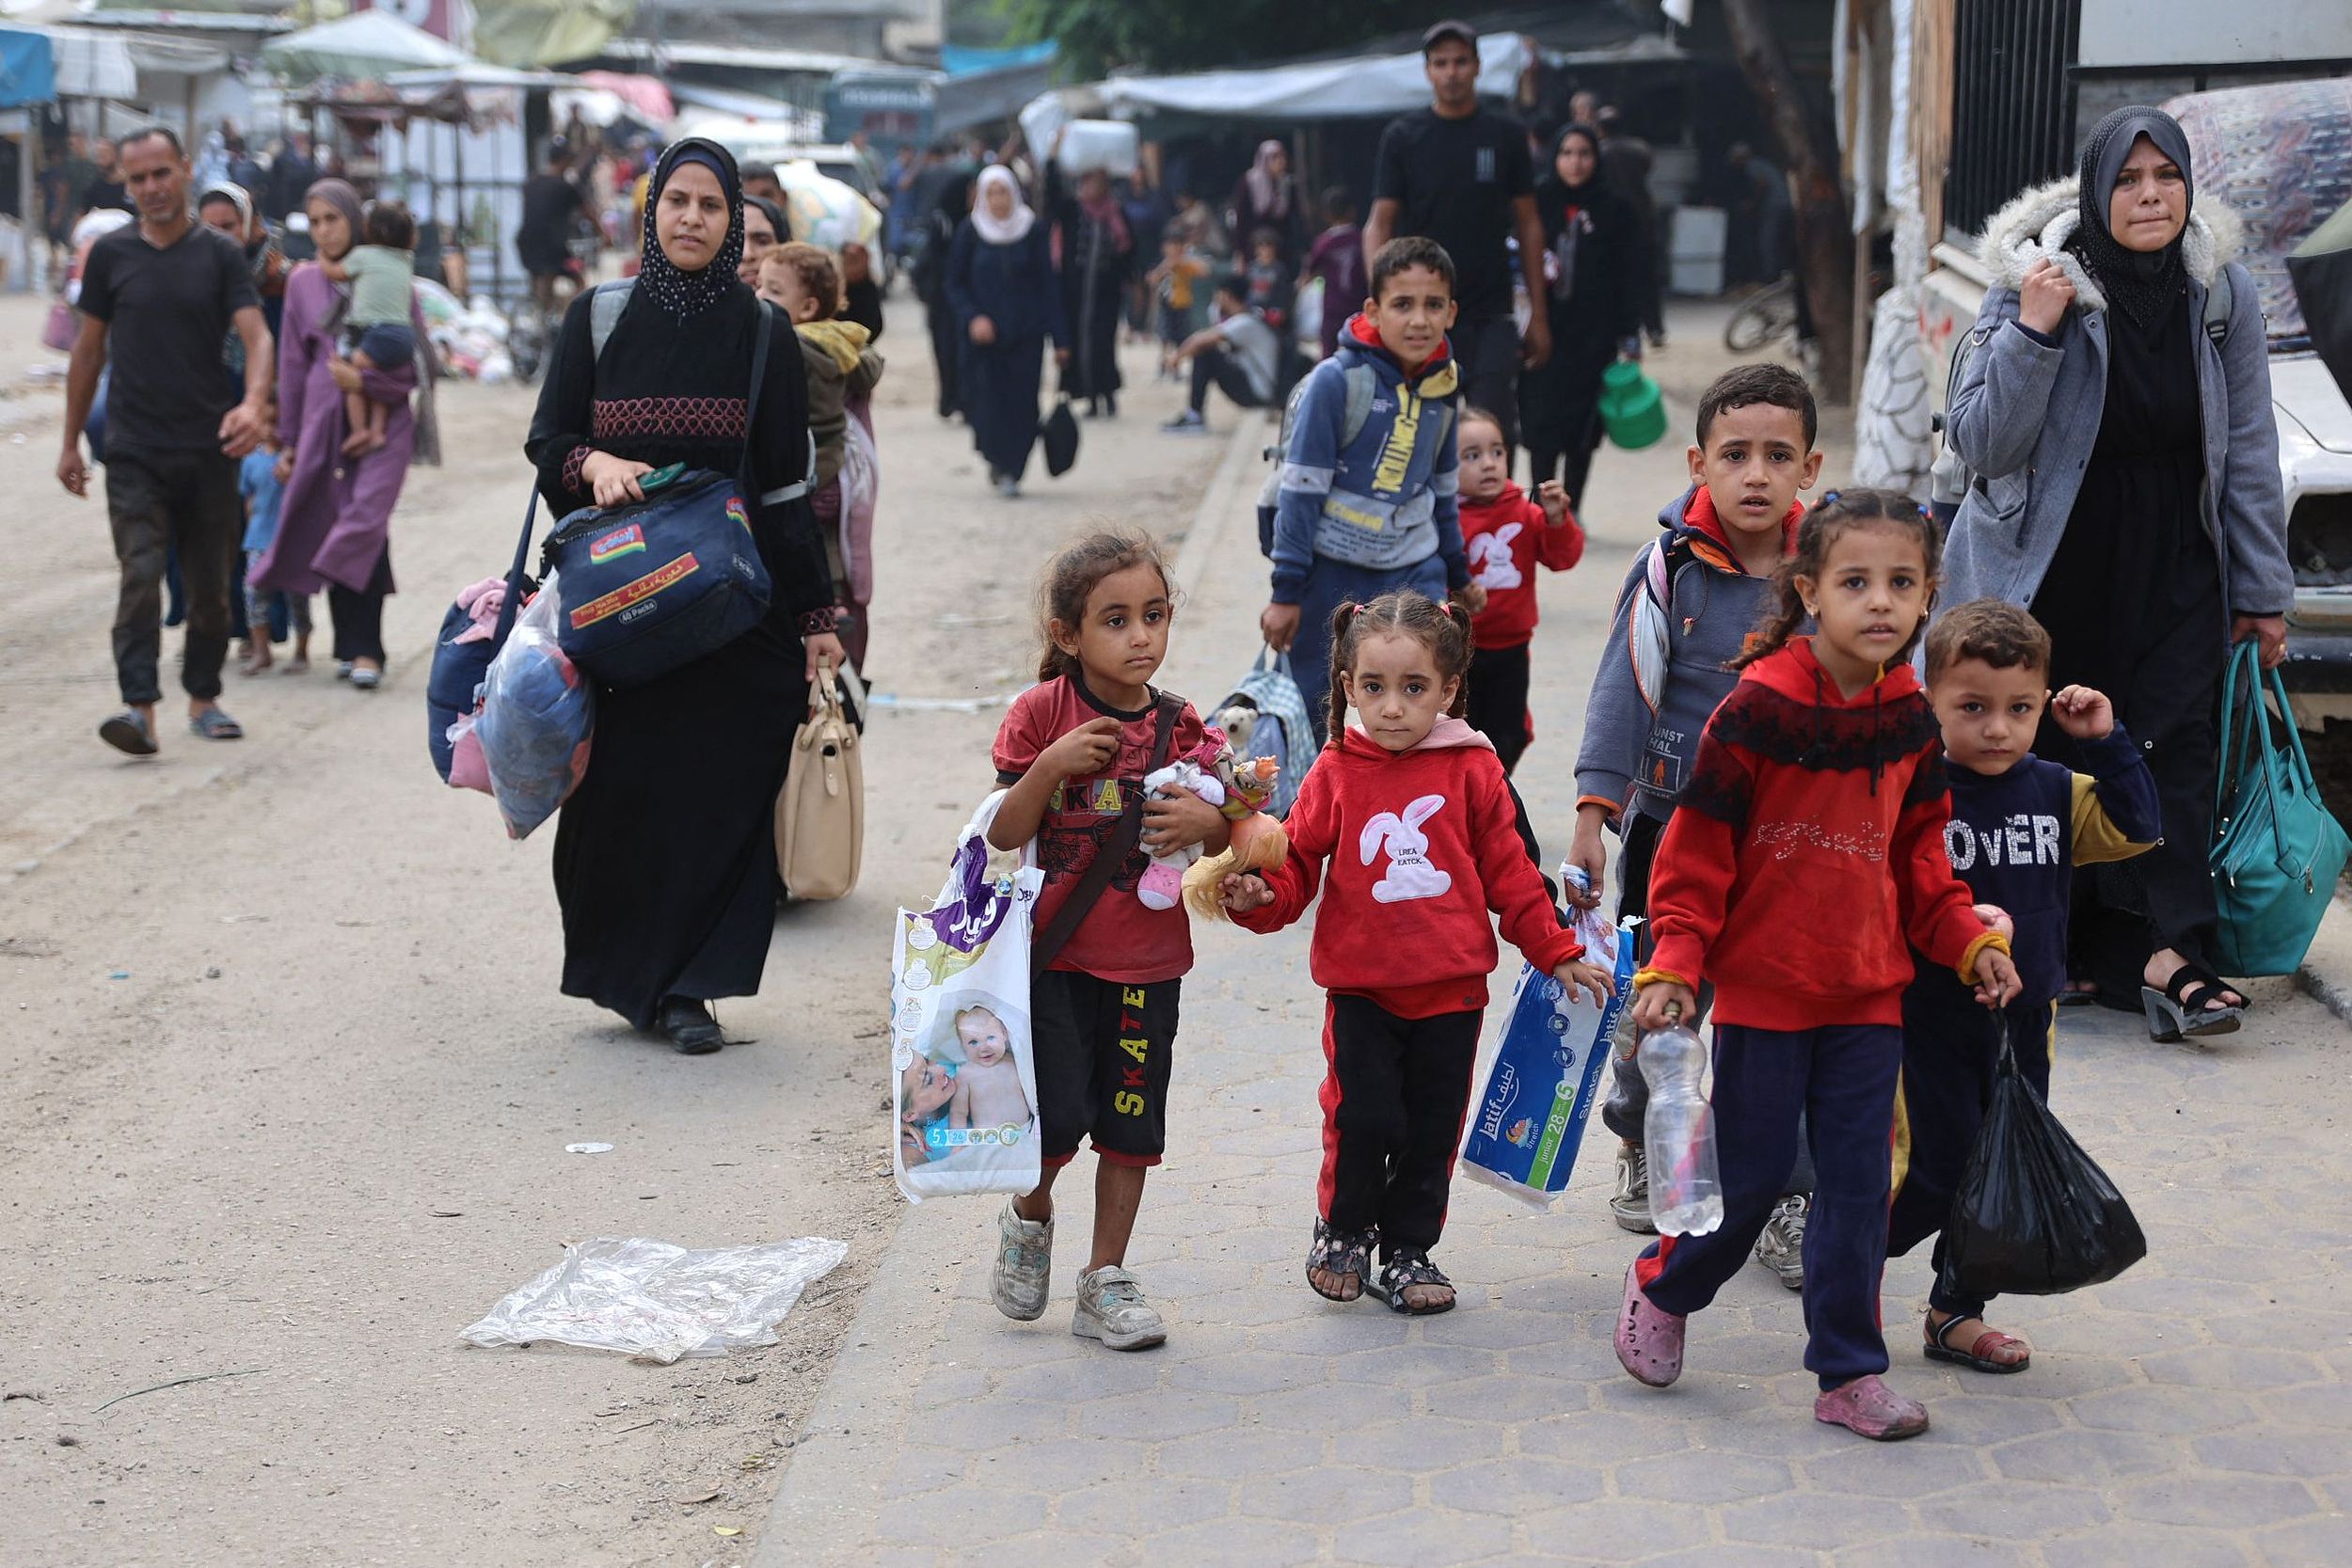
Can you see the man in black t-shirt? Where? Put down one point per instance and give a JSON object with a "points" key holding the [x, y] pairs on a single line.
{"points": [[1462, 176], [160, 296]]}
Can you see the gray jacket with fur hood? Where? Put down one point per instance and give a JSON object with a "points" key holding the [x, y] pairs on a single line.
{"points": [[2026, 416]]}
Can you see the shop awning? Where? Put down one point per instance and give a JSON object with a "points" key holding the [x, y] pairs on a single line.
{"points": [[372, 44], [1316, 89], [27, 74], [92, 65]]}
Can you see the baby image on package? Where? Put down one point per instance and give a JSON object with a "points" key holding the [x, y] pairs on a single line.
{"points": [[964, 1085]]}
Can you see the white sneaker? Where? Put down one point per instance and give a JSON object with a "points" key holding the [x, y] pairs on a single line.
{"points": [[1111, 1309], [1025, 1265], [1629, 1204], [1781, 1247]]}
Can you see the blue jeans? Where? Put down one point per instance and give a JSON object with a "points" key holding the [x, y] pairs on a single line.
{"points": [[1331, 584]]}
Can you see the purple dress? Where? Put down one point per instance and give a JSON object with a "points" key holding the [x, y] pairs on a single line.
{"points": [[334, 526]]}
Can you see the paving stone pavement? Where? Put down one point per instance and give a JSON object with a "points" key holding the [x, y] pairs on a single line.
{"points": [[2198, 1410]]}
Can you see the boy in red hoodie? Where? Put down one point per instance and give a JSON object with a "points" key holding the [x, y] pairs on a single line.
{"points": [[1506, 536], [1416, 819]]}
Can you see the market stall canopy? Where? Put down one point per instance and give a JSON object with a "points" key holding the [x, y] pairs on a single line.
{"points": [[531, 33], [1316, 89], [27, 74], [92, 65], [372, 44]]}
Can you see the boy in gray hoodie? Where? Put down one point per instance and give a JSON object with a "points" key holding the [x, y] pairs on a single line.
{"points": [[1688, 604]]}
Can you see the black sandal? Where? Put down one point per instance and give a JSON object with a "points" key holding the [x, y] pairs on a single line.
{"points": [[1406, 1268], [2174, 1014], [1977, 1357], [1345, 1253]]}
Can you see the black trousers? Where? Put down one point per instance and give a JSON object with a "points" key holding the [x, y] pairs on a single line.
{"points": [[947, 353], [1214, 367], [1949, 1054], [156, 500], [1497, 699], [1394, 1092], [1486, 350], [360, 614]]}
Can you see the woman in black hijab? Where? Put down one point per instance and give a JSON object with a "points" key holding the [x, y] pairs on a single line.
{"points": [[1593, 254], [2117, 424], [665, 855]]}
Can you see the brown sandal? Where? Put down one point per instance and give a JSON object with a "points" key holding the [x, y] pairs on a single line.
{"points": [[1979, 1355]]}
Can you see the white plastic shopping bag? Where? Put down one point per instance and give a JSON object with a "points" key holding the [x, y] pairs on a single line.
{"points": [[1524, 1129], [963, 1080]]}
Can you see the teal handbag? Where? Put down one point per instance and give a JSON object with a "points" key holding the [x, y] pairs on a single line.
{"points": [[2275, 852]]}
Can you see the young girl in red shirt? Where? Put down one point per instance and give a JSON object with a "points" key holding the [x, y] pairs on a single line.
{"points": [[1072, 753], [1507, 534], [1808, 845], [1413, 815]]}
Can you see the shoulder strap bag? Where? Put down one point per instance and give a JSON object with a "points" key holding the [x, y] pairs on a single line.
{"points": [[1111, 856]]}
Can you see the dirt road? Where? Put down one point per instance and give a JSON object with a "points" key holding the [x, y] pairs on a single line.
{"points": [[286, 1083]]}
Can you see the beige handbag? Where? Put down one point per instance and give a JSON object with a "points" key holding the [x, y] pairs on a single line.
{"points": [[820, 817]]}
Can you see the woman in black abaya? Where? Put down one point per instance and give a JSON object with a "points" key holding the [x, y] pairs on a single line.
{"points": [[665, 855], [1592, 297]]}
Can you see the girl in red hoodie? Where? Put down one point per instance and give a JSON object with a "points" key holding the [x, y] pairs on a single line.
{"points": [[1808, 848], [1506, 535], [1415, 820]]}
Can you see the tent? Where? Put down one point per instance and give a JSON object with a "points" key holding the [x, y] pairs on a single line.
{"points": [[1316, 89], [371, 44], [27, 74]]}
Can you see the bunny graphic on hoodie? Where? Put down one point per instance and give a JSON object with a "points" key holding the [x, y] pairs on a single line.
{"points": [[1420, 847]]}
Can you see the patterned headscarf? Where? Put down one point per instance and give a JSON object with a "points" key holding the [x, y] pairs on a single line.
{"points": [[2144, 283], [686, 294]]}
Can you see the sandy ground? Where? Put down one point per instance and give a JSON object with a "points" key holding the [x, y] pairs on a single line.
{"points": [[286, 1083]]}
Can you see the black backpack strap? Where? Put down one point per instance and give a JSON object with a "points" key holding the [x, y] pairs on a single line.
{"points": [[515, 574], [759, 379], [1110, 856]]}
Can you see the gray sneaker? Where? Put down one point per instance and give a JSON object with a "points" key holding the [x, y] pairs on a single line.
{"points": [[1781, 1247], [1630, 1204], [1111, 1309], [1025, 1265]]}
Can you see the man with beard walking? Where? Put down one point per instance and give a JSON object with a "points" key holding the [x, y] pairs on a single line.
{"points": [[159, 296]]}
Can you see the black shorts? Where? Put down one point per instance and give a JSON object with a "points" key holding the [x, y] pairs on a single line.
{"points": [[1102, 1053]]}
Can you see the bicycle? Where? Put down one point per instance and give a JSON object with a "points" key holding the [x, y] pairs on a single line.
{"points": [[1767, 316]]}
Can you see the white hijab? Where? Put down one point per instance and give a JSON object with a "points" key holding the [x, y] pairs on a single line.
{"points": [[997, 230]]}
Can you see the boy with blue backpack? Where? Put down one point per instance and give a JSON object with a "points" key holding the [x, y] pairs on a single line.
{"points": [[1365, 501]]}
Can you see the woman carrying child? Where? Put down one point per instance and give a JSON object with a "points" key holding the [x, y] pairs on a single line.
{"points": [[1807, 848], [1413, 814], [334, 523], [1072, 753]]}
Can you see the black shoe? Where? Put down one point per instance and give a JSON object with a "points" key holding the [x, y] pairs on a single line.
{"points": [[1111, 405], [688, 1027]]}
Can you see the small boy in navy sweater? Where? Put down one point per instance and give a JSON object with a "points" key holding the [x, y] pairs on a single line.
{"points": [[2019, 827]]}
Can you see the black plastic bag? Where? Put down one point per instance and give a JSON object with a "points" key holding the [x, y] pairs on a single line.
{"points": [[2035, 1215], [1059, 436]]}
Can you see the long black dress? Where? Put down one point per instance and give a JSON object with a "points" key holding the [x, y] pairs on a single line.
{"points": [[2133, 604], [1097, 258], [665, 855], [1593, 304]]}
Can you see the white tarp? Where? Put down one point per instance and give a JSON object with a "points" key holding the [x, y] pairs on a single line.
{"points": [[1321, 89], [92, 65]]}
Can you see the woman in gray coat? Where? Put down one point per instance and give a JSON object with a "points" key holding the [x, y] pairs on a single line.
{"points": [[2117, 425]]}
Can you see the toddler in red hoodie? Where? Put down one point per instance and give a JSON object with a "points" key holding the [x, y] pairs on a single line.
{"points": [[1508, 536], [1415, 819], [1807, 847]]}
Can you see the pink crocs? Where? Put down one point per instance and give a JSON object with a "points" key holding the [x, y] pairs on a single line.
{"points": [[1649, 1341], [1868, 1406]]}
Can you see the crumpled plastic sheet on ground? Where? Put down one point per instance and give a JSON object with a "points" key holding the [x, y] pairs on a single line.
{"points": [[655, 1302]]}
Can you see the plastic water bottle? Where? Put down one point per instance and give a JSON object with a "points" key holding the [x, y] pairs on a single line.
{"points": [[1686, 1192]]}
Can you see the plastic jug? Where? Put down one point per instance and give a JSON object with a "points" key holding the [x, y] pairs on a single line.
{"points": [[1632, 409], [1686, 1194]]}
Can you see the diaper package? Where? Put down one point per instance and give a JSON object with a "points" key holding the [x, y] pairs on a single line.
{"points": [[963, 1083], [1525, 1126]]}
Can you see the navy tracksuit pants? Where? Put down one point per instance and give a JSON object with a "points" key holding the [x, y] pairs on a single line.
{"points": [[1842, 1081], [1949, 1053]]}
